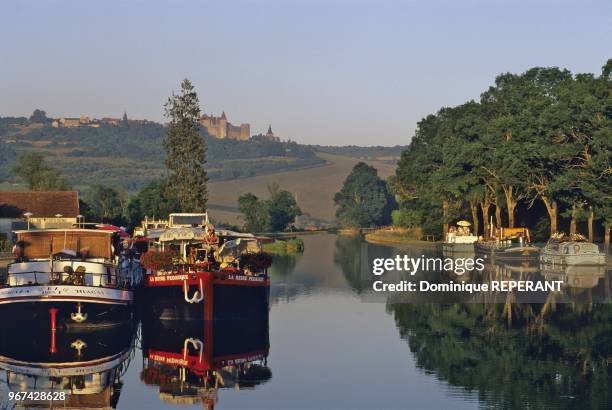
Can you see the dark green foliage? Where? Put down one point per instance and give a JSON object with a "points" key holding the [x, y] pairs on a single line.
{"points": [[186, 150], [11, 124], [104, 204], [542, 136], [32, 168], [39, 116], [155, 201], [7, 161], [254, 212], [282, 210], [364, 200], [273, 214]]}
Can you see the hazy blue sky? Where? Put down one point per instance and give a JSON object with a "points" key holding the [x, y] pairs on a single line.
{"points": [[329, 72]]}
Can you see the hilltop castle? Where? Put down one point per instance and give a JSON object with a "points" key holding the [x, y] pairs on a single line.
{"points": [[220, 127]]}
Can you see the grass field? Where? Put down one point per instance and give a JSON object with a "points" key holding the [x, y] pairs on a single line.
{"points": [[314, 188]]}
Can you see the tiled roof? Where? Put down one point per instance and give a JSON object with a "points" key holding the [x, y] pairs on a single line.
{"points": [[40, 204]]}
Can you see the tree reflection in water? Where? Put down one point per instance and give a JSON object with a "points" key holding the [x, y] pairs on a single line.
{"points": [[547, 357], [284, 264], [348, 258], [551, 354]]}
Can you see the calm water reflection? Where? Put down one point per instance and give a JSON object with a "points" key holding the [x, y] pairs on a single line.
{"points": [[328, 345]]}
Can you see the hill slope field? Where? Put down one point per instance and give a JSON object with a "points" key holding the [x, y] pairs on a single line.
{"points": [[314, 188]]}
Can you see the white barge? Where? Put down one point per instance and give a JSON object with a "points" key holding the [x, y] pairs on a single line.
{"points": [[571, 250], [83, 274]]}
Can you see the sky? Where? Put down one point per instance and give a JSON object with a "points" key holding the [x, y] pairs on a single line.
{"points": [[332, 72]]}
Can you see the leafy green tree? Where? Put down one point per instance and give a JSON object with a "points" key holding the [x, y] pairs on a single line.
{"points": [[282, 210], [39, 116], [541, 138], [106, 204], [364, 199], [155, 200], [273, 214], [186, 150], [32, 168], [254, 211]]}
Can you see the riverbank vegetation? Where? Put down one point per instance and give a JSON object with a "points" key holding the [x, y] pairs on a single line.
{"points": [[284, 246], [536, 145], [395, 236]]}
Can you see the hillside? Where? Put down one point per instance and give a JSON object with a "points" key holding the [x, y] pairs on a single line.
{"points": [[131, 155], [314, 187]]}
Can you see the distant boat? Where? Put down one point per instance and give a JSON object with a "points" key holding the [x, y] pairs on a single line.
{"points": [[572, 249], [459, 239], [508, 245]]}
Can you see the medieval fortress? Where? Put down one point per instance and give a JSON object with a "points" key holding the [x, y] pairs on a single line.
{"points": [[220, 127]]}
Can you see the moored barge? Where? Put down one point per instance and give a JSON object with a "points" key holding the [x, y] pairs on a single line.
{"points": [[195, 274], [82, 276], [509, 245]]}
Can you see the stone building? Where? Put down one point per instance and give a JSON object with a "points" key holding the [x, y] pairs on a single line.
{"points": [[268, 136], [73, 122], [220, 127]]}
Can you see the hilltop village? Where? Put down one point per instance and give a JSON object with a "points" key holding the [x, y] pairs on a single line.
{"points": [[217, 127]]}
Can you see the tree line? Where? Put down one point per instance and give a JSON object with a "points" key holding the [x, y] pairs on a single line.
{"points": [[542, 138]]}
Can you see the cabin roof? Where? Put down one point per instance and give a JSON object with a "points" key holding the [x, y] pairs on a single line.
{"points": [[68, 230], [41, 204]]}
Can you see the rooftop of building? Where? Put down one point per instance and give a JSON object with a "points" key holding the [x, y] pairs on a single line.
{"points": [[40, 204]]}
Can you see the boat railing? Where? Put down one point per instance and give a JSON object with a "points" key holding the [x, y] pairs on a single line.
{"points": [[33, 278]]}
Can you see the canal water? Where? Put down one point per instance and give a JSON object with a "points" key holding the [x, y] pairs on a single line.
{"points": [[333, 345]]}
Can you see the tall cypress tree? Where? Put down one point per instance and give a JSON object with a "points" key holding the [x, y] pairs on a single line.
{"points": [[186, 150]]}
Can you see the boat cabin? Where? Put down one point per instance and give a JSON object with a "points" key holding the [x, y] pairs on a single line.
{"points": [[196, 245], [82, 257], [460, 234]]}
